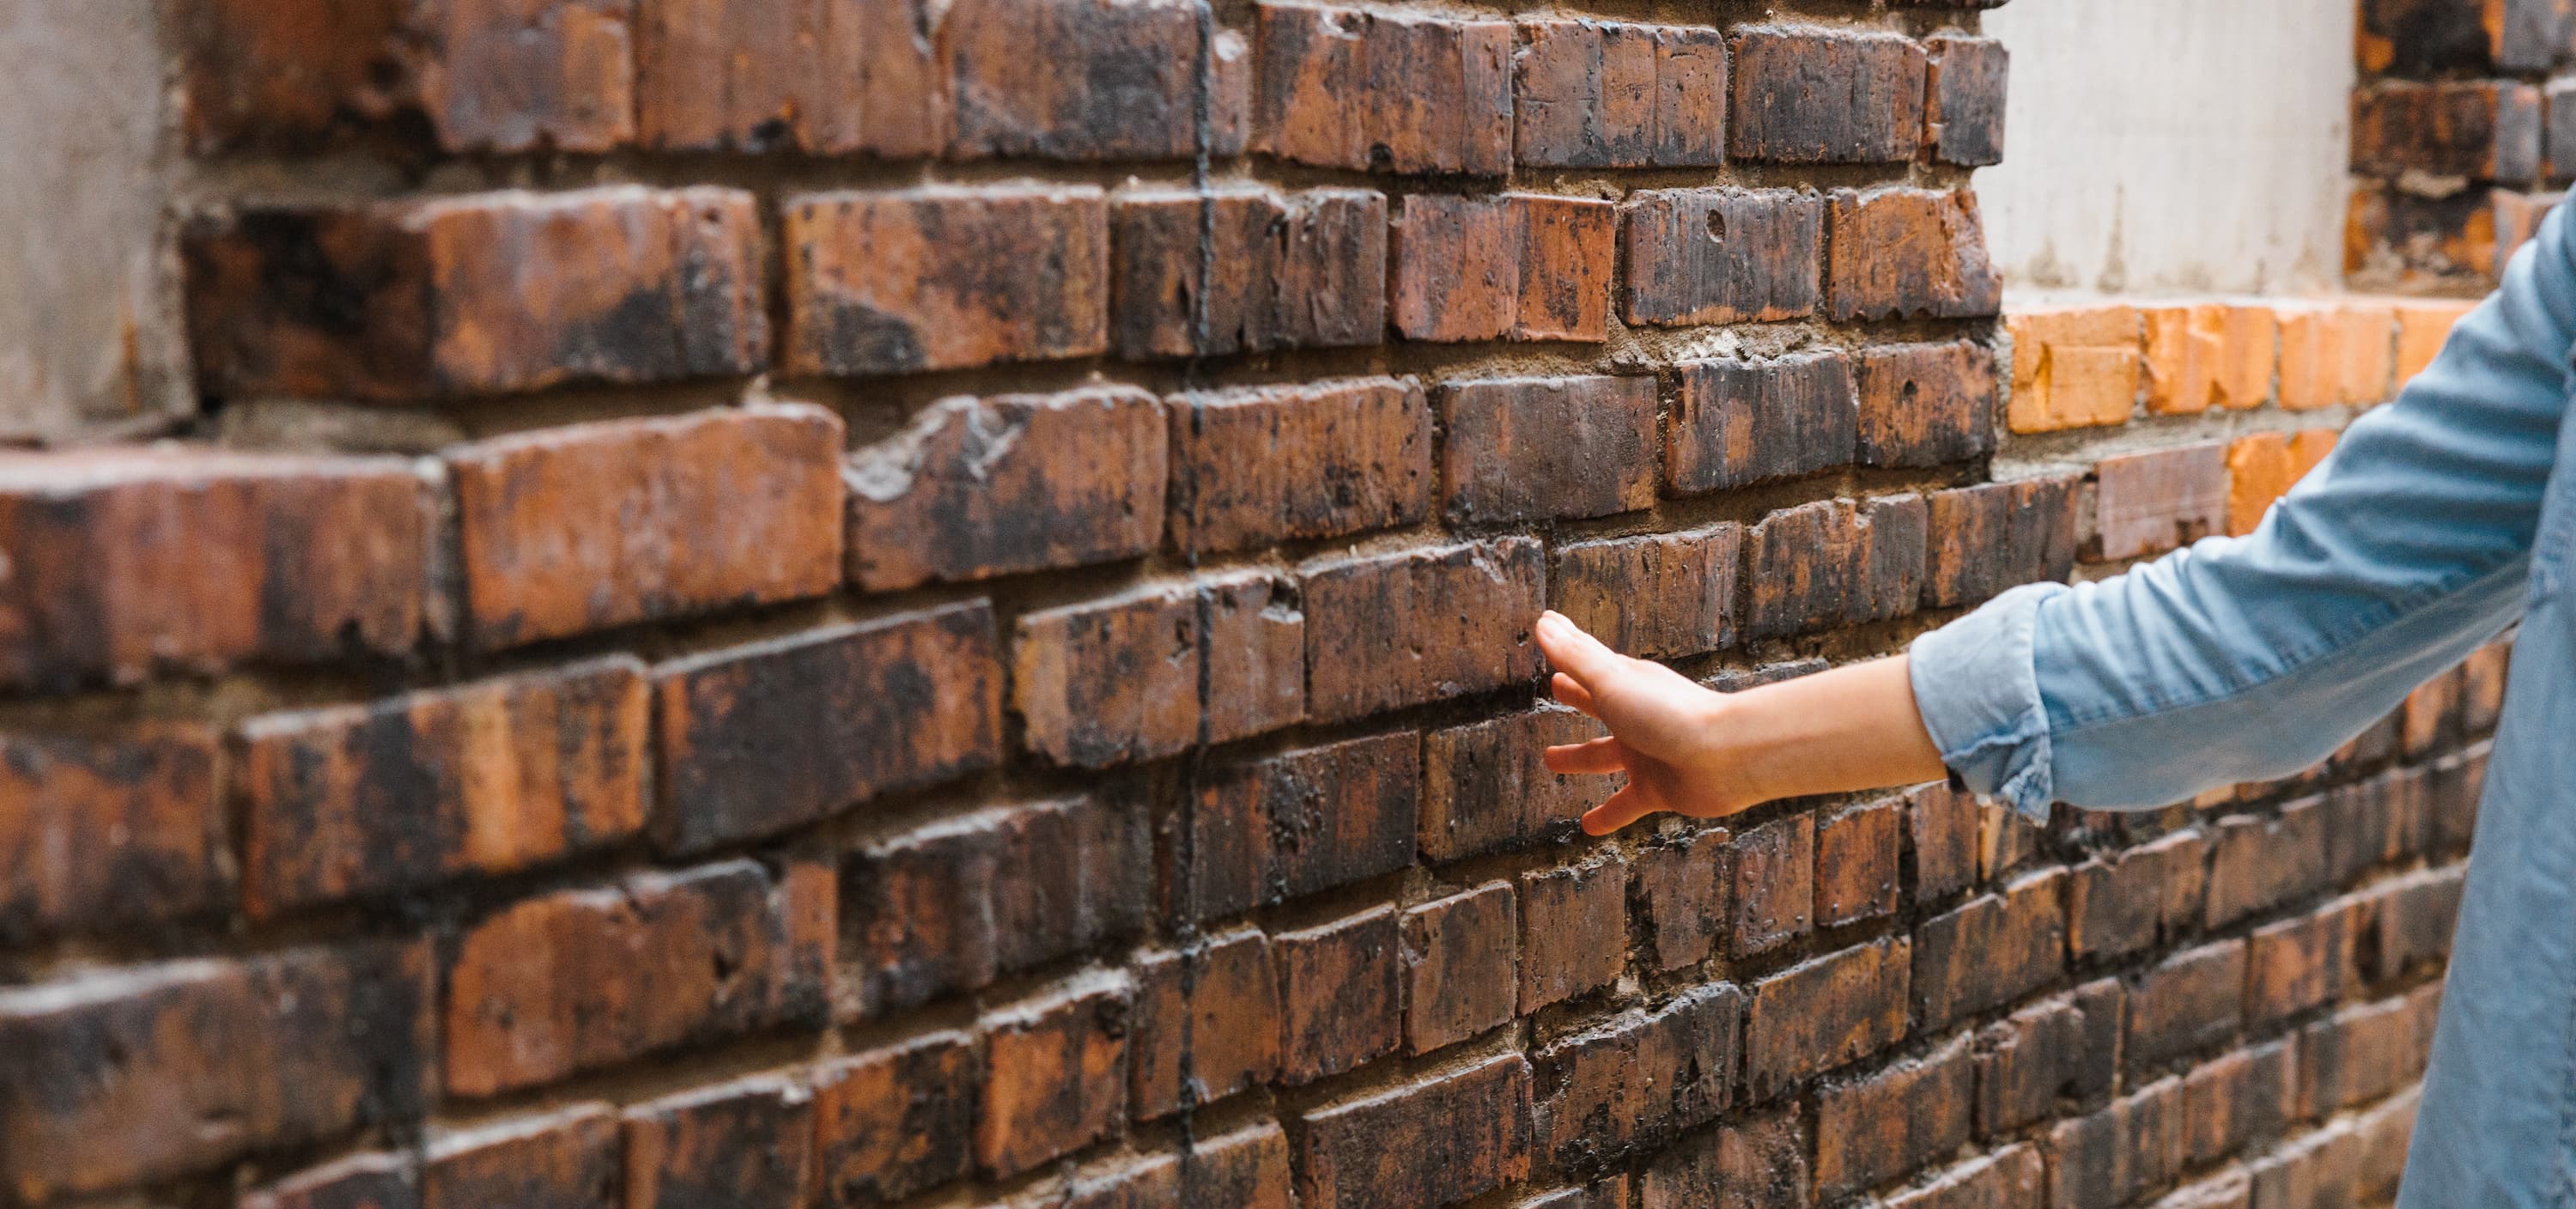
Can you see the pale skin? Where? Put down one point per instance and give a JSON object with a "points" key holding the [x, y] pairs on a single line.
{"points": [[1692, 751]]}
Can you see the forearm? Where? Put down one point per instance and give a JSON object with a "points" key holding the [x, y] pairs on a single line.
{"points": [[1851, 728]]}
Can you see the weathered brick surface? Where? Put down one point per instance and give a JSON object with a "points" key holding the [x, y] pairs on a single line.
{"points": [[370, 1180], [1053, 1076], [1461, 966], [2011, 1178], [894, 1121], [2480, 129], [566, 1157], [1734, 424], [2238, 1102], [808, 75], [2419, 37], [1574, 929], [1964, 99], [1720, 256], [109, 831], [1774, 892], [1894, 1121], [1523, 449], [1301, 822], [1340, 994], [1444, 1137], [1761, 1161], [1679, 894], [1484, 785], [1835, 562], [2148, 503], [1268, 464], [2114, 1155], [1814, 95], [2125, 901], [1857, 854], [2081, 367], [1003, 108], [2184, 1003], [1520, 266], [1249, 1167], [1118, 680], [748, 1143], [1660, 596], [1390, 630], [1634, 1083], [1908, 253], [1382, 90], [1926, 404], [2063, 1047], [1941, 826], [1294, 270], [1991, 950], [1213, 1013], [1823, 1013], [1608, 94], [1999, 535]]}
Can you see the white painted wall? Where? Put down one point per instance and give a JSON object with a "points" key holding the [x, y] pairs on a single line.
{"points": [[2176, 146]]}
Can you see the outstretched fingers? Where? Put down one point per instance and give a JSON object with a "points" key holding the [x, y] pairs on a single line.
{"points": [[1605, 754], [1575, 653], [1624, 807], [1570, 692]]}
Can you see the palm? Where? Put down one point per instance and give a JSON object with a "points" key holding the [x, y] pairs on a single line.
{"points": [[1658, 723]]}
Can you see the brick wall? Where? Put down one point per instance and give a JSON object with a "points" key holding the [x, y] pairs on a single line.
{"points": [[832, 604]]}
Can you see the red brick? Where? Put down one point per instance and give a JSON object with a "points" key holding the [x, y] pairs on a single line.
{"points": [[593, 526], [2148, 503], [1679, 895], [1248, 1168], [1941, 827], [476, 294], [2007, 842], [975, 488], [1824, 1012], [1721, 255], [954, 904], [2409, 923], [1391, 630], [1022, 79], [1659, 596], [106, 831], [816, 76], [2065, 1047], [1964, 99], [565, 1158], [894, 1121], [1999, 535], [1568, 248], [1517, 265], [2011, 1178], [2237, 1102], [371, 1180], [2420, 37], [1889, 1123], [1264, 464], [1485, 784], [1754, 1164], [1990, 951], [1857, 852], [1532, 448], [1340, 998], [1110, 681], [1292, 270], [2314, 1172], [124, 563], [2297, 964], [1909, 253], [1446, 1137], [1825, 96], [2483, 129], [2119, 1153], [1926, 404], [2188, 1002], [2363, 1053], [2457, 782], [1461, 966], [1606, 94], [759, 738], [1206, 1024], [1297, 823], [582, 979], [2256, 864], [128, 1076], [892, 283], [1634, 1083], [471, 75], [486, 778], [1574, 930], [1774, 867], [1835, 562], [749, 1143], [1054, 1077], [1736, 423], [1383, 91], [2121, 903]]}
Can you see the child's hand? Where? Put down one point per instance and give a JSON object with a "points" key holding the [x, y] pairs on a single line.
{"points": [[1663, 731]]}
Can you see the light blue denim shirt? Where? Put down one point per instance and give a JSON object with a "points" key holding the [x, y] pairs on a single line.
{"points": [[2438, 521]]}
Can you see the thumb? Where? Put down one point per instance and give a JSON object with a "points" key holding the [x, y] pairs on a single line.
{"points": [[1576, 653]]}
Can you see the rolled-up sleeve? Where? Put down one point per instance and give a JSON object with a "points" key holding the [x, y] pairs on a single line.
{"points": [[2250, 658]]}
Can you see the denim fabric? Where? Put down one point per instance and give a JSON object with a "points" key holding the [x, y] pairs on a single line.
{"points": [[2438, 521]]}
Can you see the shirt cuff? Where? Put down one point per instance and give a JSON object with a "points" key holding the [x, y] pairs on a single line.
{"points": [[1977, 686]]}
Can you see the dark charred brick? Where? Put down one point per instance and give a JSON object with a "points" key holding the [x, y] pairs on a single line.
{"points": [[1110, 681], [1340, 994], [1306, 821], [1926, 404], [1611, 1193], [1891, 1122], [2148, 503], [1739, 423], [2409, 923], [1721, 255], [894, 283], [145, 1073], [2007, 842], [1607, 94], [1522, 266], [1964, 95], [1635, 1083], [1909, 253], [2323, 1168], [2395, 239], [1774, 868], [1568, 251], [1835, 562], [1054, 1076], [2385, 1133], [2456, 783], [2187, 1002], [2111, 1157], [582, 979], [1247, 1169], [2422, 37], [1990, 951], [1659, 596], [1752, 1164], [108, 831], [476, 294], [2121, 904], [1026, 80], [568, 530], [2482, 129], [1679, 897], [2298, 964], [1383, 91], [981, 487], [815, 76], [1293, 270], [2364, 1052], [1461, 966], [2010, 1178], [2256, 863], [1485, 784], [1941, 826], [2066, 1047], [1390, 630], [2238, 1102], [487, 778], [1574, 930], [952, 905], [1857, 852], [1267, 464], [2558, 130], [894, 1121], [1532, 448], [1824, 1012], [749, 1143], [1825, 96], [568, 1158], [369, 1180], [1442, 1138], [759, 738], [1999, 535], [126, 563]]}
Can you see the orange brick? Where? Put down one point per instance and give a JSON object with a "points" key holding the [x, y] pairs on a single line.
{"points": [[2258, 471], [2247, 342], [2185, 345], [2365, 353], [2307, 362], [2421, 329], [2334, 355], [2074, 368]]}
